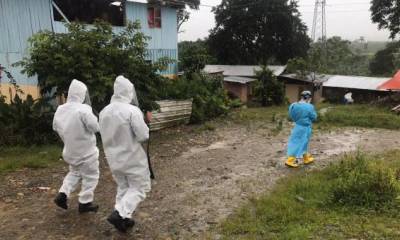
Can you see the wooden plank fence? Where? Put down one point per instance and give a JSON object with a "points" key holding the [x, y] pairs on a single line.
{"points": [[171, 113]]}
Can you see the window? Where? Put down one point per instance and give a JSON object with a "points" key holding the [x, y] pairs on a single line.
{"points": [[154, 17], [87, 11]]}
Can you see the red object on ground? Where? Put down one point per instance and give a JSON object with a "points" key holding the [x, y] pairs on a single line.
{"points": [[392, 84]]}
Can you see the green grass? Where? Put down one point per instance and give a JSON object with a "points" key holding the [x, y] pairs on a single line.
{"points": [[360, 116], [365, 116], [300, 207], [14, 158]]}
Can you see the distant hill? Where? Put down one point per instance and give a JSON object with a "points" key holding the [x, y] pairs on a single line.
{"points": [[367, 47]]}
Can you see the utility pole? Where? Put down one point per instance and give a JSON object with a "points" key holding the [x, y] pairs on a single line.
{"points": [[319, 21], [319, 34]]}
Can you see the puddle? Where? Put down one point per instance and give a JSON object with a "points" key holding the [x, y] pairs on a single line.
{"points": [[339, 144], [197, 150]]}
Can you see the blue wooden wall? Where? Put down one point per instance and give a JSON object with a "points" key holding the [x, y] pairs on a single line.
{"points": [[20, 19], [164, 40]]}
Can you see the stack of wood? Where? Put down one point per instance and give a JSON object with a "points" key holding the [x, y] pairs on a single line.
{"points": [[396, 109], [171, 113]]}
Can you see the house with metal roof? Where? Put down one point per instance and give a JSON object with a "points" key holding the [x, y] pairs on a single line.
{"points": [[238, 79], [333, 87], [364, 89], [20, 19], [294, 85], [242, 70], [355, 82]]}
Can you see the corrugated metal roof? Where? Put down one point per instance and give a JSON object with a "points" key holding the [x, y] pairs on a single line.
{"points": [[318, 77], [241, 70], [164, 3], [355, 82], [242, 80], [138, 1]]}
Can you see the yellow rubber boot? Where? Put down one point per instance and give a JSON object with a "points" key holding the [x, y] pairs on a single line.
{"points": [[291, 162], [308, 159]]}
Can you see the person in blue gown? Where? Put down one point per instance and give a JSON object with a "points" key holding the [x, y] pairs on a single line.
{"points": [[303, 114]]}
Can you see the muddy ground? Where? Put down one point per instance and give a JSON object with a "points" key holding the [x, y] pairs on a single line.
{"points": [[202, 177]]}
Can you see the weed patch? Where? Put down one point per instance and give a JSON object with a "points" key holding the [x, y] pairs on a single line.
{"points": [[340, 202], [13, 158]]}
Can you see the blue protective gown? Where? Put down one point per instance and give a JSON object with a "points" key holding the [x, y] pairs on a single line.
{"points": [[303, 114]]}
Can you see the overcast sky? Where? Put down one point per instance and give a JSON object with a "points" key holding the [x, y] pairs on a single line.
{"points": [[349, 19]]}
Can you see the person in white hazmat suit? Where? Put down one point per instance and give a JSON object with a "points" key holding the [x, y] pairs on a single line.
{"points": [[348, 98], [76, 125], [123, 129]]}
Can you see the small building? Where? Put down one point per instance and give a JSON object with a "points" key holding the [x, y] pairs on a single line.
{"points": [[364, 89], [295, 85], [239, 87], [238, 79], [332, 88], [20, 19]]}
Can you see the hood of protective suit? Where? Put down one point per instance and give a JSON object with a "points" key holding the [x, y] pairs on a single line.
{"points": [[77, 92], [124, 91]]}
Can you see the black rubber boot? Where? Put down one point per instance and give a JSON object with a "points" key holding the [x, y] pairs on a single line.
{"points": [[130, 223], [88, 207], [119, 223], [61, 200]]}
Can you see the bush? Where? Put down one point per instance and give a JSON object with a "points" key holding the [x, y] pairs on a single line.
{"points": [[96, 56], [193, 56], [300, 206], [268, 90], [210, 100], [361, 182], [26, 122]]}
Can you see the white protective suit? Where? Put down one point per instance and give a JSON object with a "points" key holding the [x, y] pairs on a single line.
{"points": [[349, 98], [76, 125], [123, 128]]}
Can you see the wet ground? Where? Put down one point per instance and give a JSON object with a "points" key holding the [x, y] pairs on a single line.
{"points": [[202, 177]]}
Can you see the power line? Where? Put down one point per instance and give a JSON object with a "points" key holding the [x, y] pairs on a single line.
{"points": [[299, 5]]}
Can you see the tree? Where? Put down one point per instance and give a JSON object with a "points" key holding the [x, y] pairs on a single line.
{"points": [[95, 56], [252, 32], [268, 89], [384, 61], [183, 15], [334, 56], [387, 14], [193, 56], [397, 60], [340, 59]]}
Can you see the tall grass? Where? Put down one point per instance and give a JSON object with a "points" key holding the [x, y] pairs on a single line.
{"points": [[308, 206], [360, 116]]}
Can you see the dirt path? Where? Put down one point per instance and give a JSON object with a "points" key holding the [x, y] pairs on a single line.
{"points": [[201, 178]]}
